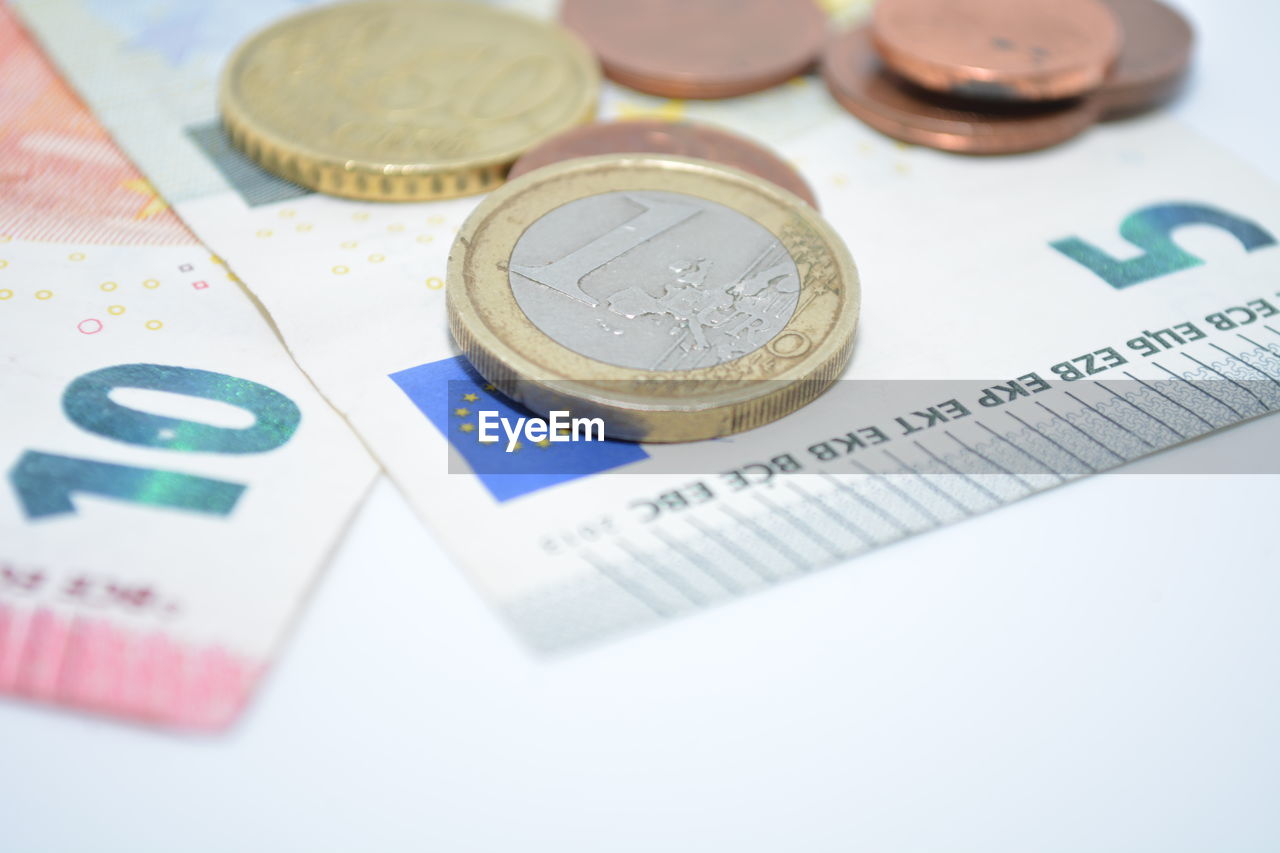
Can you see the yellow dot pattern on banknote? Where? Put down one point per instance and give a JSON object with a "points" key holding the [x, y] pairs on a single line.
{"points": [[6, 293], [265, 232], [44, 294], [3, 263], [93, 325], [381, 235], [889, 158], [76, 256]]}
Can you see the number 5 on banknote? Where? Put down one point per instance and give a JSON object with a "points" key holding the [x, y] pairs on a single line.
{"points": [[45, 482], [1151, 229]]}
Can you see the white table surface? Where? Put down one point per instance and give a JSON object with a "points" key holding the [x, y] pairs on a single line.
{"points": [[1092, 669]]}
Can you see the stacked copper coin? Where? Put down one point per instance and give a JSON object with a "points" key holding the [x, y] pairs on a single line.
{"points": [[1005, 76]]}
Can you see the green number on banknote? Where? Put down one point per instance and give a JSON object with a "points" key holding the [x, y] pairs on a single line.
{"points": [[1151, 229], [88, 403], [45, 482]]}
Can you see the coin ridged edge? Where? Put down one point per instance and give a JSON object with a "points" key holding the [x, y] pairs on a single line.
{"points": [[368, 183]]}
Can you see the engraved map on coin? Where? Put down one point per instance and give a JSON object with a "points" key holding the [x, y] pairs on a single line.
{"points": [[654, 280]]}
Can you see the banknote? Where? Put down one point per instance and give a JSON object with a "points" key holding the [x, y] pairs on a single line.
{"points": [[173, 481], [1025, 321]]}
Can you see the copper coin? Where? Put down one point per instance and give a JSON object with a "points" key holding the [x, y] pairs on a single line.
{"points": [[1018, 50], [651, 136], [1153, 59], [863, 86], [699, 48]]}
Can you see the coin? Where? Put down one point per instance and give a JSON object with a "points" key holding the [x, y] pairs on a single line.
{"points": [[998, 49], [652, 136], [861, 84], [390, 100], [674, 298], [700, 48], [1153, 59]]}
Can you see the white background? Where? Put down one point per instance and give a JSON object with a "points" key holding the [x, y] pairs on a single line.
{"points": [[1092, 669]]}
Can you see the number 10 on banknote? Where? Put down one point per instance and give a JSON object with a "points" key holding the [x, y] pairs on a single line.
{"points": [[46, 481]]}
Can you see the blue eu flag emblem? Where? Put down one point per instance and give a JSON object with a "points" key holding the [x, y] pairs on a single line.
{"points": [[451, 395]]}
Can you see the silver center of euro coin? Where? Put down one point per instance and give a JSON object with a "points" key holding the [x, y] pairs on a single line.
{"points": [[654, 280]]}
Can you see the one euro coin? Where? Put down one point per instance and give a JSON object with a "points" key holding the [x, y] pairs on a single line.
{"points": [[673, 298]]}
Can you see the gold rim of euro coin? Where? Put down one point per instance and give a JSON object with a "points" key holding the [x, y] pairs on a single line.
{"points": [[403, 100], [805, 355]]}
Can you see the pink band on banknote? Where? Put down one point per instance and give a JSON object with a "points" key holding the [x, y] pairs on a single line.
{"points": [[91, 664]]}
